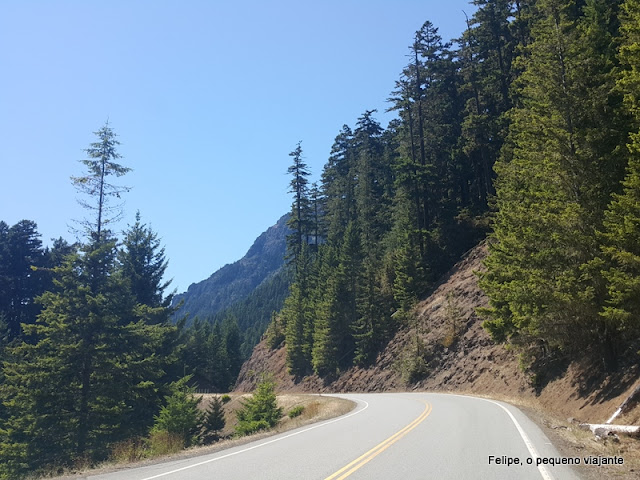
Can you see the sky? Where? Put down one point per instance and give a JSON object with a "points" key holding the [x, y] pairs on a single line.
{"points": [[208, 98]]}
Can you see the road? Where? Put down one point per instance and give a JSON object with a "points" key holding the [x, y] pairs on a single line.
{"points": [[387, 436]]}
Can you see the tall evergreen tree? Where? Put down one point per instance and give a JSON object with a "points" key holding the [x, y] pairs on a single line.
{"points": [[91, 373], [300, 209], [101, 164], [21, 282], [622, 220], [143, 263], [554, 183]]}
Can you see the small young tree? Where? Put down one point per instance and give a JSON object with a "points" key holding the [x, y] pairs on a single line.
{"points": [[180, 417], [214, 420], [261, 411]]}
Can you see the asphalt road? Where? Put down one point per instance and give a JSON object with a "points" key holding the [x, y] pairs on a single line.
{"points": [[388, 436]]}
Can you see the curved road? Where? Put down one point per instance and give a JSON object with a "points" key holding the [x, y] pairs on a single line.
{"points": [[388, 436]]}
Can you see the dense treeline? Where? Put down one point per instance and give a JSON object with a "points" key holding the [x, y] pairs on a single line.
{"points": [[88, 353], [562, 273], [254, 313], [527, 126]]}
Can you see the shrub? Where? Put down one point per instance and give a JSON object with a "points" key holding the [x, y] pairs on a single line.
{"points": [[225, 399], [259, 412], [296, 411]]}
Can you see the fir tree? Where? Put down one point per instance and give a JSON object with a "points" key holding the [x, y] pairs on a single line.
{"points": [[101, 164], [89, 377], [214, 421], [143, 263], [622, 220], [180, 415], [553, 186]]}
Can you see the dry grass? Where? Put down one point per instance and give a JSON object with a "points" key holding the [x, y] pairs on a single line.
{"points": [[316, 408]]}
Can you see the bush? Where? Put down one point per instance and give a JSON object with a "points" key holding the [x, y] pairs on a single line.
{"points": [[296, 411], [252, 426], [261, 411], [180, 417], [225, 399]]}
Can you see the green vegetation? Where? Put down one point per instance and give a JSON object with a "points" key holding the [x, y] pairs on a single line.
{"points": [[214, 420], [526, 128], [179, 418], [296, 411], [558, 276], [261, 411], [91, 364]]}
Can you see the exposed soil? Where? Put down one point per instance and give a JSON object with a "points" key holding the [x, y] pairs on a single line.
{"points": [[461, 357]]}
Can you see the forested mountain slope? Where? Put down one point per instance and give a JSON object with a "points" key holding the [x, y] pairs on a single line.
{"points": [[234, 282], [446, 349]]}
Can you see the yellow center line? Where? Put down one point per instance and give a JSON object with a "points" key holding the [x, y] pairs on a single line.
{"points": [[347, 470]]}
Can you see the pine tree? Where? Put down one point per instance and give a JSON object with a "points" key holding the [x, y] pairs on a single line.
{"points": [[300, 209], [101, 164], [297, 316], [261, 411], [21, 279], [180, 416], [214, 420], [143, 263], [553, 185], [231, 341], [326, 334], [622, 220], [91, 373]]}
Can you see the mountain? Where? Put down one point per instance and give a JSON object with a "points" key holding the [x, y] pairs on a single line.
{"points": [[458, 355], [234, 282]]}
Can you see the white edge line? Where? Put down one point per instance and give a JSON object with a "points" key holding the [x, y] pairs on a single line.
{"points": [[532, 450], [343, 417]]}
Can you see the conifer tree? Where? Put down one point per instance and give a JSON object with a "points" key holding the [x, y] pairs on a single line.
{"points": [[180, 415], [297, 316], [338, 184], [101, 164], [21, 281], [89, 377], [213, 421], [300, 209], [553, 186], [622, 220], [143, 263]]}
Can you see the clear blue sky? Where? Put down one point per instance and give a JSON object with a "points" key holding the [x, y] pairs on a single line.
{"points": [[207, 97]]}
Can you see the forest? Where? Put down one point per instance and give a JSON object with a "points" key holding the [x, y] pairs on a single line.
{"points": [[524, 131]]}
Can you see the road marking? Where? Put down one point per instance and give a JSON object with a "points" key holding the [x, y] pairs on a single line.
{"points": [[261, 444], [532, 450], [347, 470]]}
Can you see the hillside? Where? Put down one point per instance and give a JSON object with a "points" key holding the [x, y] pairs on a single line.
{"points": [[234, 282], [470, 363]]}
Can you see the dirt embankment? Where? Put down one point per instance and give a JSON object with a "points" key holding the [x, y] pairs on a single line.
{"points": [[460, 357]]}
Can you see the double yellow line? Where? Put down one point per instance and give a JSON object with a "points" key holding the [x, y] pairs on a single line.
{"points": [[347, 470]]}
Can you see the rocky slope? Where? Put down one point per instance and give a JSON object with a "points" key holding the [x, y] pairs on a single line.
{"points": [[459, 356], [234, 282]]}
